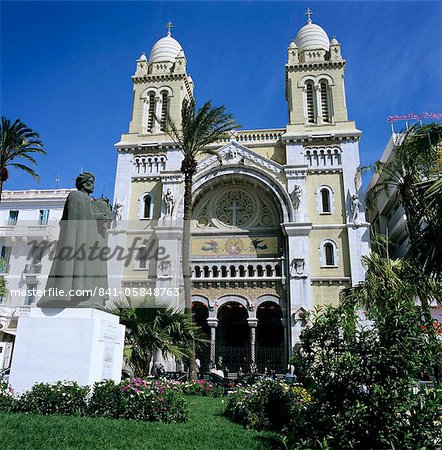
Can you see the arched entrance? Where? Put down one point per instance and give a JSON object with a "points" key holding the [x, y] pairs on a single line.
{"points": [[237, 249], [233, 337], [200, 314], [270, 338]]}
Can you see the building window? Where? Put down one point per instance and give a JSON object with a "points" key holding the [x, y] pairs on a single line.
{"points": [[147, 202], [146, 206], [13, 217], [5, 256], [325, 104], [310, 102], [30, 294], [328, 253], [151, 112], [164, 109], [141, 258], [43, 217], [325, 200]]}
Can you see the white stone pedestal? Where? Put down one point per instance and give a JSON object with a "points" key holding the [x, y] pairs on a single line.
{"points": [[74, 344]]}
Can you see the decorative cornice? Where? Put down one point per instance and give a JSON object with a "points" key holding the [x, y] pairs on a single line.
{"points": [[303, 66], [330, 280], [322, 139], [158, 77], [296, 172], [325, 170]]}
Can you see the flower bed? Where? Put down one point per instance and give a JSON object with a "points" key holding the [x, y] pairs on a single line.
{"points": [[202, 388], [268, 404], [151, 400]]}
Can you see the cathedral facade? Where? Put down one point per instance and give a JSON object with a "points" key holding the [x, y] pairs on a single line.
{"points": [[278, 226]]}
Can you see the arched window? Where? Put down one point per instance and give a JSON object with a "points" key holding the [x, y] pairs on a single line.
{"points": [[142, 257], [151, 112], [325, 106], [164, 109], [147, 203], [329, 255], [325, 200], [310, 102]]}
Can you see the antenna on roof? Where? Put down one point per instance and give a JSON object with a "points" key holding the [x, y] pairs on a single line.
{"points": [[57, 181]]}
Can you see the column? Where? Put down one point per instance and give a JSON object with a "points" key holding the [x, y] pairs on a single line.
{"points": [[253, 323], [213, 323]]}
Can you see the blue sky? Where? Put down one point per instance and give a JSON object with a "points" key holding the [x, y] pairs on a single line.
{"points": [[66, 68]]}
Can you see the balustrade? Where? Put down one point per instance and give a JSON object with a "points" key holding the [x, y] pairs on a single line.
{"points": [[261, 269]]}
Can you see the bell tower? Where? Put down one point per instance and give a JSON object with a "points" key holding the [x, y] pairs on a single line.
{"points": [[160, 85], [315, 90]]}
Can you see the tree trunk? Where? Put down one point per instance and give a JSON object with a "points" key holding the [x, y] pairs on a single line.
{"points": [[1, 189], [188, 183]]}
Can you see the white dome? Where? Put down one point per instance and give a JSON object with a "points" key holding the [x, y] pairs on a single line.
{"points": [[312, 37], [166, 49]]}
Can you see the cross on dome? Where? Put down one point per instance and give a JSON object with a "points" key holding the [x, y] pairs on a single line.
{"points": [[309, 13], [169, 27]]}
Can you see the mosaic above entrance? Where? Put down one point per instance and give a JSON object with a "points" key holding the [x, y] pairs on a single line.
{"points": [[235, 246]]}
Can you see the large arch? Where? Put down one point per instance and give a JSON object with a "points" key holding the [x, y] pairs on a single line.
{"points": [[207, 178]]}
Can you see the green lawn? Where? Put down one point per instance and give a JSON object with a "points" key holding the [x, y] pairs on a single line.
{"points": [[205, 429]]}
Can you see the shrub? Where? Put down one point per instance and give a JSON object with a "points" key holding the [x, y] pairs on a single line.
{"points": [[363, 382], [8, 401], [63, 397], [268, 404], [105, 400], [153, 400]]}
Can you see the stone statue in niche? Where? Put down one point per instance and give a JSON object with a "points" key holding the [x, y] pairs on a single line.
{"points": [[296, 197], [169, 201], [118, 209], [355, 204]]}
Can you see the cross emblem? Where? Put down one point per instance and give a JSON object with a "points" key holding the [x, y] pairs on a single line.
{"points": [[235, 208], [169, 27], [309, 13]]}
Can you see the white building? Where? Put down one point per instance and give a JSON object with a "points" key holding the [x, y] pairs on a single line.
{"points": [[388, 217], [26, 217]]}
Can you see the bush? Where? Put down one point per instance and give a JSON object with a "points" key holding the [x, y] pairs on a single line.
{"points": [[63, 397], [8, 401], [268, 404], [363, 382], [202, 388], [105, 400], [153, 400]]}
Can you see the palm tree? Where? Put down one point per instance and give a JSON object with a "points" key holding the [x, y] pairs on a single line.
{"points": [[17, 142], [151, 327], [198, 129], [414, 174]]}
